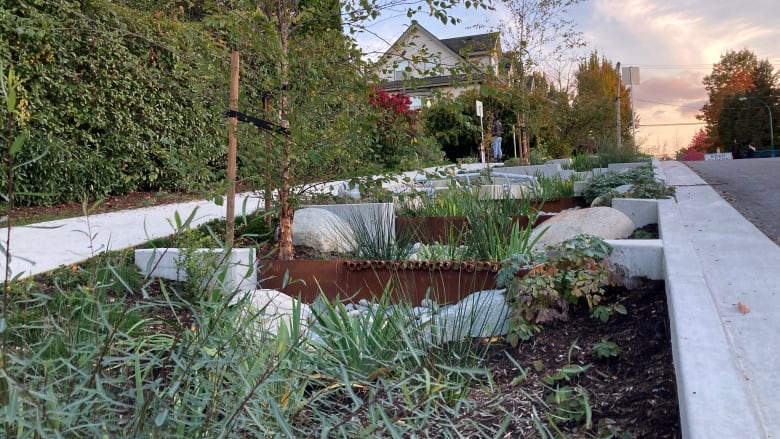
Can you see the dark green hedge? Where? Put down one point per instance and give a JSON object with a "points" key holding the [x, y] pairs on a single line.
{"points": [[119, 100]]}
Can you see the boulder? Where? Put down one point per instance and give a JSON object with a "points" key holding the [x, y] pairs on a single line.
{"points": [[604, 222], [480, 314], [322, 230], [268, 308]]}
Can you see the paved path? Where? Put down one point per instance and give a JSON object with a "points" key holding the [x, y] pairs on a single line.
{"points": [[45, 246], [750, 185]]}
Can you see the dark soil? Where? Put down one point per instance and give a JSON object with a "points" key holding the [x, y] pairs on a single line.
{"points": [[633, 392], [134, 200]]}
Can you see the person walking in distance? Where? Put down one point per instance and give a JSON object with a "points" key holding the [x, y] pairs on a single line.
{"points": [[497, 130]]}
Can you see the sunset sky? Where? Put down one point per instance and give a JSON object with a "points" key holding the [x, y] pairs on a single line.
{"points": [[674, 44]]}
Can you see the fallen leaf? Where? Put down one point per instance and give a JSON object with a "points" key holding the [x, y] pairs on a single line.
{"points": [[743, 308]]}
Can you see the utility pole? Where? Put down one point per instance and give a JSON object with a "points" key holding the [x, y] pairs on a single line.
{"points": [[617, 106]]}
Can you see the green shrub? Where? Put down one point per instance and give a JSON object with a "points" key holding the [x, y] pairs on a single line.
{"points": [[641, 178], [574, 271], [119, 101]]}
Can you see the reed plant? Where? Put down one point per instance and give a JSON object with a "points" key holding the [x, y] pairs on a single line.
{"points": [[549, 188], [135, 357]]}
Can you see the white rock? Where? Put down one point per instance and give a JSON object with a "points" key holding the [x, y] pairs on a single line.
{"points": [[480, 314], [322, 230], [604, 222], [271, 307], [427, 303]]}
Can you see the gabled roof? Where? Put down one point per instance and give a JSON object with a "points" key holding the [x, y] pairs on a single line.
{"points": [[473, 43]]}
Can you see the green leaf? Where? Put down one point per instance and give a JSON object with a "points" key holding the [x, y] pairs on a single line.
{"points": [[18, 142], [159, 420]]}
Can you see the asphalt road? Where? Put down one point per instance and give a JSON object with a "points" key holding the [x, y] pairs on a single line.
{"points": [[752, 186]]}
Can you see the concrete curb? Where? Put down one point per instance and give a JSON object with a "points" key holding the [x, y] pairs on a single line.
{"points": [[714, 258]]}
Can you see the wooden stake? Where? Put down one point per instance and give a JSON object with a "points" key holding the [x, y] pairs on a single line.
{"points": [[230, 214]]}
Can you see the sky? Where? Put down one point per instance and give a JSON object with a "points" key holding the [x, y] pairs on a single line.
{"points": [[673, 42]]}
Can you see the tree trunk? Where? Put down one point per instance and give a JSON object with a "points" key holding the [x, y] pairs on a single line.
{"points": [[285, 203]]}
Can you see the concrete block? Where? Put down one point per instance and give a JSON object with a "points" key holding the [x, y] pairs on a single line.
{"points": [[624, 166], [640, 257], [580, 187], [562, 162], [546, 170], [166, 263], [642, 212]]}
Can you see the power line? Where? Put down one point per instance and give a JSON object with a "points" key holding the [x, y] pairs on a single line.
{"points": [[642, 125], [666, 103], [702, 66]]}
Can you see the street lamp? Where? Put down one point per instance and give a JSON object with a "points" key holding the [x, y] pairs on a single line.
{"points": [[768, 109]]}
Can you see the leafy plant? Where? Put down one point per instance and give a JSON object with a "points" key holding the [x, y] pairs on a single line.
{"points": [[642, 179], [570, 404], [575, 270], [604, 311], [606, 349]]}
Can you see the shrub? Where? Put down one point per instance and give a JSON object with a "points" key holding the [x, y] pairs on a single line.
{"points": [[119, 101], [574, 271], [641, 178]]}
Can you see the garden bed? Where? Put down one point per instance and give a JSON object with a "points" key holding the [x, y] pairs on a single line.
{"points": [[405, 281]]}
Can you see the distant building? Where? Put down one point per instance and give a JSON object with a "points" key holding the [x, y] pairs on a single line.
{"points": [[420, 65]]}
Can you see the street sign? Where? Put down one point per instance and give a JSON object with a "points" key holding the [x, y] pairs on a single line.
{"points": [[479, 108]]}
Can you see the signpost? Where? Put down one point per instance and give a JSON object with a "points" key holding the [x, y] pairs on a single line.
{"points": [[481, 131]]}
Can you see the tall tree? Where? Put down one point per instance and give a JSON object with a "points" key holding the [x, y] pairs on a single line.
{"points": [[741, 90], [594, 105], [313, 70], [539, 33]]}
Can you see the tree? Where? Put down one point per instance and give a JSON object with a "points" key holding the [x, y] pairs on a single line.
{"points": [[701, 141], [396, 134], [314, 71], [538, 34], [594, 104], [539, 31], [728, 117]]}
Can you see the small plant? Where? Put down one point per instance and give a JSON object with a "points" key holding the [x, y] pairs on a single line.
{"points": [[570, 404], [606, 349], [574, 271], [642, 179], [553, 188], [604, 311]]}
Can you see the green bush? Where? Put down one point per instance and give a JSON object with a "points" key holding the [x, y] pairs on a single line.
{"points": [[642, 178], [574, 271], [119, 101]]}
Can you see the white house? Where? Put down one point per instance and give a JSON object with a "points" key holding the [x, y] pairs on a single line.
{"points": [[420, 65]]}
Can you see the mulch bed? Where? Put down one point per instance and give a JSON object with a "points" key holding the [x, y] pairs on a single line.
{"points": [[634, 392]]}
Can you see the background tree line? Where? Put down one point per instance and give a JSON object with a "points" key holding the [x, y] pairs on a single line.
{"points": [[742, 91]]}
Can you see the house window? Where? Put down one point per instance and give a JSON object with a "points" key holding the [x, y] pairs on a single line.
{"points": [[398, 75]]}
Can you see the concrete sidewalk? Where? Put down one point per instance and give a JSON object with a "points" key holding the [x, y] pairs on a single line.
{"points": [[725, 361], [45, 246]]}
